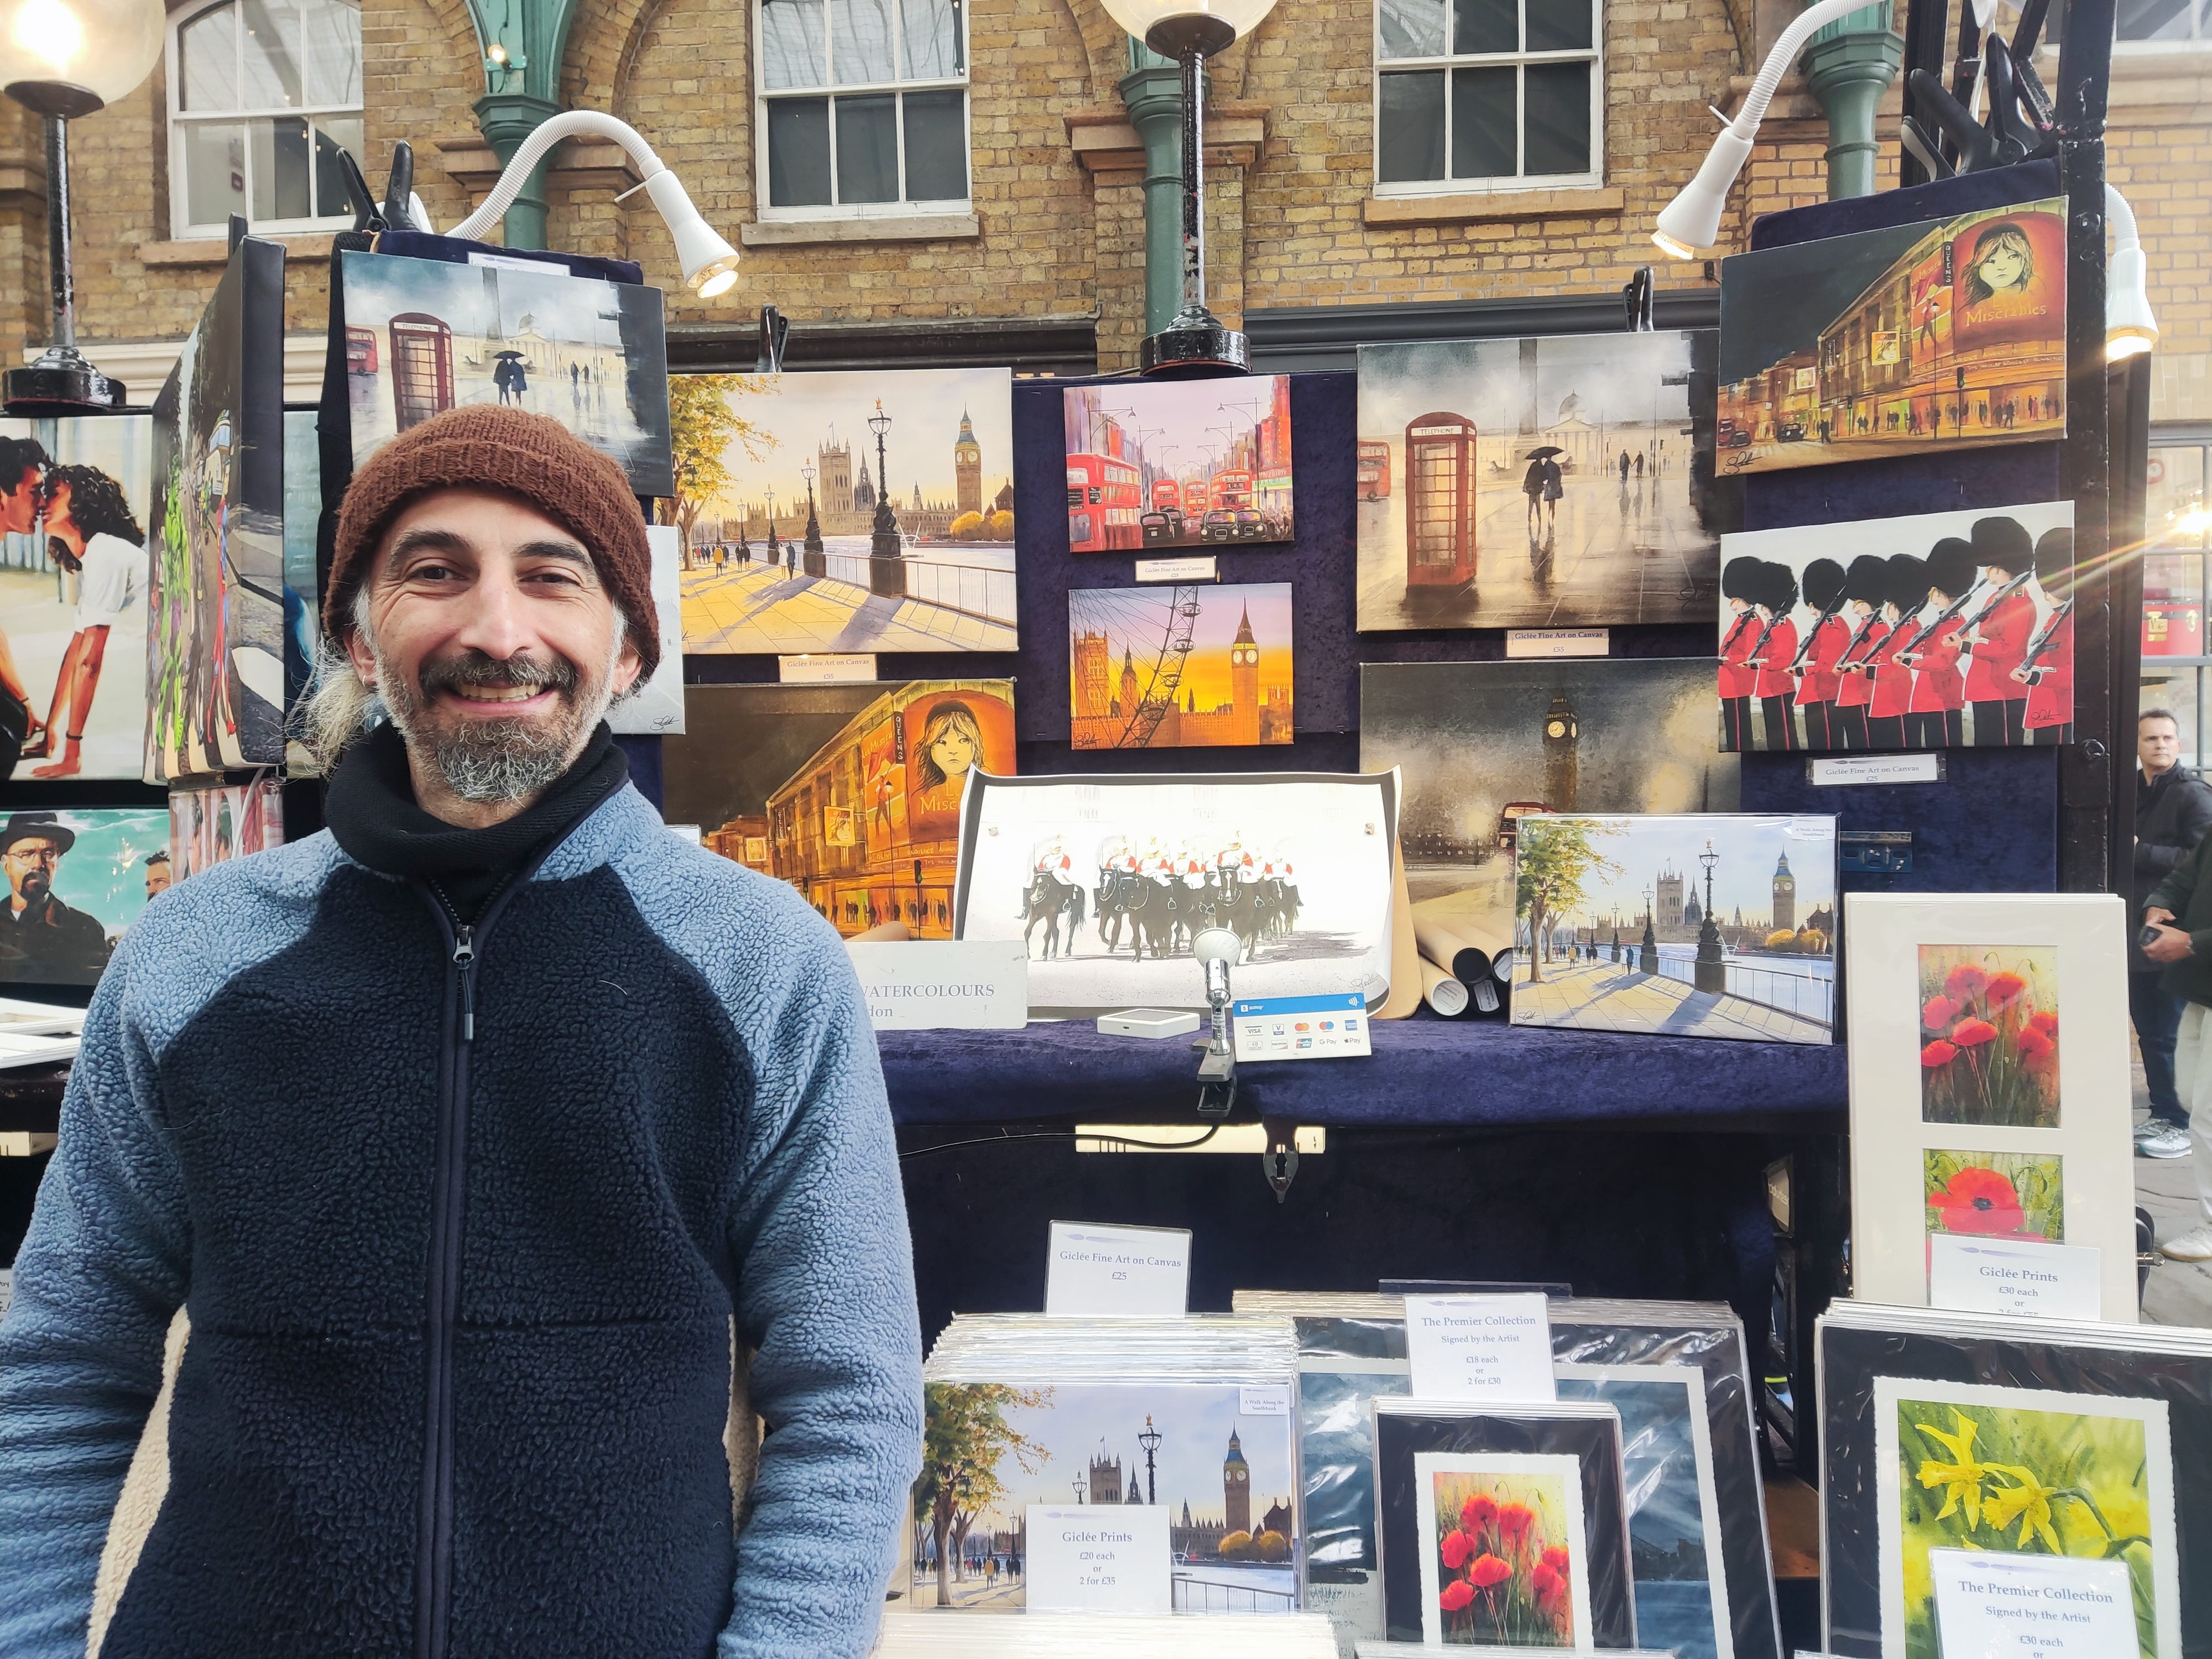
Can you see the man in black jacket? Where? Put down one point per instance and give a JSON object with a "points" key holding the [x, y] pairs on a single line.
{"points": [[2173, 809]]}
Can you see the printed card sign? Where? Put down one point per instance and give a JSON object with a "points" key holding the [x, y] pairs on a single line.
{"points": [[2042, 1281], [1997, 1607], [1301, 1028], [1099, 1558], [1491, 1348], [826, 668], [942, 985], [1829, 771], [1117, 1273], [1551, 642]]}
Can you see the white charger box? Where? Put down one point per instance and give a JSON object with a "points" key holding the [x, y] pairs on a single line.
{"points": [[1147, 1022]]}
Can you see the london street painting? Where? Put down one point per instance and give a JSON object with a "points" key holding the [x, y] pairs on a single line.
{"points": [[1989, 1035], [1714, 925], [1170, 464], [1503, 1541], [846, 511], [1538, 482], [1163, 666], [990, 1450], [76, 878], [1941, 334], [851, 793]]}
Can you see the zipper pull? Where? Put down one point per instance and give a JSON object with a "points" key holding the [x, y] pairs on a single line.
{"points": [[464, 958], [465, 949]]}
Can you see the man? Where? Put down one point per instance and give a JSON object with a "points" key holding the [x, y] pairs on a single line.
{"points": [[42, 940], [2173, 810], [157, 875], [22, 461], [2185, 953], [90, 532], [2003, 550], [474, 1136]]}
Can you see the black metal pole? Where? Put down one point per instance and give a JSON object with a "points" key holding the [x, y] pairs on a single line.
{"points": [[2129, 387], [61, 274], [1927, 32], [1193, 183]]}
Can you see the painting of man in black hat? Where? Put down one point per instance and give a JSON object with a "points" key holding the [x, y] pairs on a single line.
{"points": [[43, 940]]}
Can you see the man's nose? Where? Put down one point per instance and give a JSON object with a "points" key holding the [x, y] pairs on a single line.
{"points": [[494, 619]]}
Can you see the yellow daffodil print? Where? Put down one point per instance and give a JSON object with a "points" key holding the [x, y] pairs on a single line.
{"points": [[2027, 1502], [1961, 1478]]}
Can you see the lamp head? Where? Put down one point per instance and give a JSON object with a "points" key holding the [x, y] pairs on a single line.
{"points": [[1171, 27], [1692, 220], [70, 57], [709, 264], [2130, 328], [1216, 945]]}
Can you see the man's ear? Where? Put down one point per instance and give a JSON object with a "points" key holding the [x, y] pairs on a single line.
{"points": [[364, 660], [626, 668]]}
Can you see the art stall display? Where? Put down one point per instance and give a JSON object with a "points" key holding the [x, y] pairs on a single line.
{"points": [[215, 642], [303, 610], [1481, 743], [1202, 665], [1930, 631], [1918, 338], [1709, 926], [1170, 464], [76, 878], [424, 336], [211, 824], [859, 511], [851, 793], [76, 499], [1989, 1058], [1562, 481], [654, 707], [1503, 1525], [1107, 879], [2047, 1440]]}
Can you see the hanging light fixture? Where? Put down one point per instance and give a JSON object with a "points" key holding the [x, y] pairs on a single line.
{"points": [[62, 59], [1194, 342], [2130, 328]]}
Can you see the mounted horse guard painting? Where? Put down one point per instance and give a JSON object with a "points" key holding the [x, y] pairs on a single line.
{"points": [[1158, 900]]}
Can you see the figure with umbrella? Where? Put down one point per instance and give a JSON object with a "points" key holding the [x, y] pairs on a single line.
{"points": [[1542, 484], [508, 377]]}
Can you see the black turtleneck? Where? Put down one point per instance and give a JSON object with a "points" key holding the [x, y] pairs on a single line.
{"points": [[371, 811]]}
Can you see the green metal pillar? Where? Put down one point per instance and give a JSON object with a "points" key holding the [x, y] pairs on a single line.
{"points": [[1851, 65], [523, 44], [1152, 90]]}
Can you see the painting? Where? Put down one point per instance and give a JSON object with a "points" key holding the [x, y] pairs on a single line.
{"points": [[1543, 482], [1614, 931], [1167, 464], [76, 878], [1995, 1195], [654, 707], [990, 1450], [424, 336], [1202, 665], [859, 511], [1932, 631], [1915, 339], [1988, 1028], [214, 640], [210, 825], [1107, 879], [1502, 1535], [2022, 1472], [849, 792], [1481, 743], [76, 499], [303, 611]]}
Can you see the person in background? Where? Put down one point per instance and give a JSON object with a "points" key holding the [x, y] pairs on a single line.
{"points": [[21, 463], [2185, 952], [2001, 631], [43, 940], [89, 530], [157, 874], [2173, 809], [1933, 716]]}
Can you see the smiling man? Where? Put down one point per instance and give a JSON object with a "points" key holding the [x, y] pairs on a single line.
{"points": [[462, 1156]]}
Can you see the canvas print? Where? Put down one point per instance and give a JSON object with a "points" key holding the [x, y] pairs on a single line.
{"points": [[208, 826], [1942, 334], [1204, 666], [1107, 879], [1502, 1535], [849, 792], [424, 336], [1481, 743], [654, 707], [1542, 483], [1995, 1195], [214, 643], [76, 499], [1169, 464], [1988, 1025], [2022, 1472], [1682, 926], [76, 878], [1928, 632], [990, 1450], [851, 511]]}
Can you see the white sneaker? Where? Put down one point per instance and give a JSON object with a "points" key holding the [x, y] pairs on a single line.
{"points": [[2162, 1141], [2195, 1245]]}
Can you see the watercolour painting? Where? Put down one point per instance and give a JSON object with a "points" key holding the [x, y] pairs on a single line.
{"points": [[1204, 666], [1557, 481], [1990, 1034], [848, 511], [1918, 338], [76, 878], [851, 793], [993, 1449], [1503, 1547], [1995, 1195], [2022, 1472], [1169, 464]]}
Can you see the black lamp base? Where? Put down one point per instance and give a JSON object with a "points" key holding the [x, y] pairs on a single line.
{"points": [[59, 381], [1194, 348]]}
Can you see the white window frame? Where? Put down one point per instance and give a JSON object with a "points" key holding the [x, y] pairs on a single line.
{"points": [[2198, 40], [1594, 56], [832, 89], [181, 227]]}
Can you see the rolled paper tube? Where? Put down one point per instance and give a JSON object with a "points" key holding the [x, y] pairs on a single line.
{"points": [[1449, 945], [1488, 1000], [1501, 966], [1442, 991]]}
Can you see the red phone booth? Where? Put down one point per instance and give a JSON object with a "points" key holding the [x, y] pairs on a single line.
{"points": [[1440, 504]]}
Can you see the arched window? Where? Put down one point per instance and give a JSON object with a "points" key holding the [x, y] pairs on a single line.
{"points": [[263, 94]]}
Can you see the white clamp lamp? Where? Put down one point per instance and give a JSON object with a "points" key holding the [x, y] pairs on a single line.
{"points": [[2130, 328], [709, 264]]}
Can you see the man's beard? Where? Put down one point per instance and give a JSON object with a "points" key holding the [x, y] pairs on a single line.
{"points": [[501, 759], [35, 887]]}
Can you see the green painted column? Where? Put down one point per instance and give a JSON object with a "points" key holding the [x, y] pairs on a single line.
{"points": [[506, 119], [1152, 90], [1851, 65], [523, 42]]}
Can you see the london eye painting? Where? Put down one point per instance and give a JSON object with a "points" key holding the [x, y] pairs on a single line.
{"points": [[1182, 666]]}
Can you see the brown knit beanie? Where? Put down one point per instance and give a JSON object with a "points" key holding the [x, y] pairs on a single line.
{"points": [[531, 457]]}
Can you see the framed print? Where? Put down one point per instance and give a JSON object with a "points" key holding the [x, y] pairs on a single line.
{"points": [[1501, 1537], [1173, 463], [1202, 665]]}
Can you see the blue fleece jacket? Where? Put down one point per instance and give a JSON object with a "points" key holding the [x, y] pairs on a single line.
{"points": [[462, 1243]]}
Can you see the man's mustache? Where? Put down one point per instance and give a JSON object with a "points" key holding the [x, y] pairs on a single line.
{"points": [[35, 887], [479, 668]]}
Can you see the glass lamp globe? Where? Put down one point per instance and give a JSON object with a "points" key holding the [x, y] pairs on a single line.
{"points": [[1172, 26], [73, 57]]}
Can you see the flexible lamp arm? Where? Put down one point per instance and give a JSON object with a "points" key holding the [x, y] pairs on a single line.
{"points": [[2126, 239]]}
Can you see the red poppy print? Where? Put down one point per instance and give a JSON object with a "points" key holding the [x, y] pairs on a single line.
{"points": [[1993, 1056]]}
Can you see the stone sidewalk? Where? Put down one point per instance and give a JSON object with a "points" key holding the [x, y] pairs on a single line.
{"points": [[1605, 996], [2178, 1293]]}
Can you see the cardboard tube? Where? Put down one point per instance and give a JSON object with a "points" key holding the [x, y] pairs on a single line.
{"points": [[1448, 945], [1442, 991]]}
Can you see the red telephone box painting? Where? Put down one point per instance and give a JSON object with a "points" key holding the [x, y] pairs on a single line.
{"points": [[422, 369], [1440, 502]]}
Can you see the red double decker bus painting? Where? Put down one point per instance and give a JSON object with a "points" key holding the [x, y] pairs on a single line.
{"points": [[1167, 495], [1374, 469], [1105, 501], [1232, 488]]}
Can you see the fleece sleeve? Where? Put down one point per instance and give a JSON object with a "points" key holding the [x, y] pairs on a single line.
{"points": [[101, 1272], [825, 1294]]}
